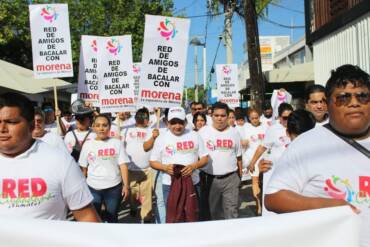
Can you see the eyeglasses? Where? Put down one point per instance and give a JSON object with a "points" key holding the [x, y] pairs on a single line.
{"points": [[177, 121], [285, 118], [197, 109], [345, 98]]}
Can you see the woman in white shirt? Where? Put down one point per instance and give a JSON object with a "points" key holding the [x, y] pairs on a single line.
{"points": [[103, 161]]}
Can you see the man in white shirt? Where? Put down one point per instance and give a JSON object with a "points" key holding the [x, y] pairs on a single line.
{"points": [[266, 117], [224, 167], [50, 138], [194, 108], [320, 168], [315, 100], [37, 181], [178, 146]]}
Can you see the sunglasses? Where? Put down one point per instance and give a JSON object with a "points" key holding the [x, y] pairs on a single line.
{"points": [[345, 98], [285, 118]]}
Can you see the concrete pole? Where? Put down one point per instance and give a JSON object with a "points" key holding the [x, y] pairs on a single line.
{"points": [[196, 73], [228, 33]]}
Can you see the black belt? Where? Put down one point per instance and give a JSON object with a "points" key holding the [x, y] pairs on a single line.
{"points": [[221, 176]]}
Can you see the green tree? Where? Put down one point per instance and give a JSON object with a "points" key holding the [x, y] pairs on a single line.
{"points": [[249, 10], [86, 17]]}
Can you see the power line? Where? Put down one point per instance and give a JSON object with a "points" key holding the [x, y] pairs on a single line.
{"points": [[283, 7], [279, 24], [184, 8], [207, 15]]}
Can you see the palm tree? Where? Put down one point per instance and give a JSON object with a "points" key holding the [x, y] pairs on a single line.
{"points": [[249, 10]]}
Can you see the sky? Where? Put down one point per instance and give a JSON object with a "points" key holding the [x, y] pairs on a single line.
{"points": [[289, 12]]}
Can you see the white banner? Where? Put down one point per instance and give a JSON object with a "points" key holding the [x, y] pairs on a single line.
{"points": [[227, 84], [88, 75], [136, 69], [165, 48], [116, 86], [51, 42], [325, 228]]}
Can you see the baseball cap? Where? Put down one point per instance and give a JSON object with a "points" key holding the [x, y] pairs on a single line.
{"points": [[176, 112], [78, 107]]}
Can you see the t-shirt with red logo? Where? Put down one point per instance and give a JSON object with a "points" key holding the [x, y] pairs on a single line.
{"points": [[276, 140], [223, 147], [115, 131], [180, 150], [255, 136], [41, 183], [102, 159], [266, 121], [320, 164], [54, 140], [134, 139], [70, 139]]}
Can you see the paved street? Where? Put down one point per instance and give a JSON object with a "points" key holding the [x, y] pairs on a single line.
{"points": [[247, 205]]}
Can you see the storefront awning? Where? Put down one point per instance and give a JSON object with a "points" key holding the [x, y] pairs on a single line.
{"points": [[20, 79]]}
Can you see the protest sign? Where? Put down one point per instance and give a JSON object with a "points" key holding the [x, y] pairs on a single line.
{"points": [[324, 227], [136, 69], [88, 74], [116, 87], [227, 84], [51, 42], [163, 62]]}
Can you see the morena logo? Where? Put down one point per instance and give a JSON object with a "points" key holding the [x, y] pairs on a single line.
{"points": [[114, 46], [136, 68], [94, 46], [49, 13], [167, 29], [226, 69]]}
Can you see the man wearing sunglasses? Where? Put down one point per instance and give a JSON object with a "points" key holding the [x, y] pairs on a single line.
{"points": [[323, 167], [196, 107]]}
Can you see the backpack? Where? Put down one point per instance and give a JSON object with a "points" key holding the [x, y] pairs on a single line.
{"points": [[78, 147]]}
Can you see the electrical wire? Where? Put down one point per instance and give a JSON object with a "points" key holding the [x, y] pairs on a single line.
{"points": [[279, 24], [283, 7], [184, 8]]}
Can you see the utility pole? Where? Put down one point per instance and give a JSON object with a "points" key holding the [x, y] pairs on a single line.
{"points": [[228, 9], [195, 73], [254, 56]]}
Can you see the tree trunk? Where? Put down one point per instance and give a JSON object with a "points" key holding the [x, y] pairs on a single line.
{"points": [[228, 10], [254, 56]]}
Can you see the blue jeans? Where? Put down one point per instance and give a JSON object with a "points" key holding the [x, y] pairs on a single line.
{"points": [[111, 197], [160, 209]]}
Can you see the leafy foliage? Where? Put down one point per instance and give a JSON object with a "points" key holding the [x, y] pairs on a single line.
{"points": [[86, 17]]}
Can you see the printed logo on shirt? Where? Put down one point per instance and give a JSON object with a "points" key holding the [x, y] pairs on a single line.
{"points": [[284, 140], [220, 144], [342, 189], [137, 135], [257, 138], [24, 192], [107, 153], [91, 157], [181, 147]]}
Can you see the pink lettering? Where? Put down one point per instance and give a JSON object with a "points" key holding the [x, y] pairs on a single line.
{"points": [[8, 188], [23, 188], [38, 186], [364, 185]]}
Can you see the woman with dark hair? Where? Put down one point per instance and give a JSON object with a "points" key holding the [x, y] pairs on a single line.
{"points": [[103, 161], [299, 121], [199, 120]]}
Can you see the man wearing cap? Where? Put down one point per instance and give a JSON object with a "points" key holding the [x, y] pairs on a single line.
{"points": [[178, 149], [224, 167]]}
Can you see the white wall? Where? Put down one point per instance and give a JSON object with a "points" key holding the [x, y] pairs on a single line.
{"points": [[349, 45]]}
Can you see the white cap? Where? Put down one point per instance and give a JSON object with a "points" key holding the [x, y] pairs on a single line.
{"points": [[176, 112]]}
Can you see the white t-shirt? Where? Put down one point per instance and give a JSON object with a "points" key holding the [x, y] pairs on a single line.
{"points": [[53, 127], [69, 125], [180, 150], [276, 140], [190, 125], [102, 159], [41, 183], [266, 121], [134, 140], [130, 122], [54, 140], [320, 164], [223, 147], [318, 124], [115, 131], [70, 139]]}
